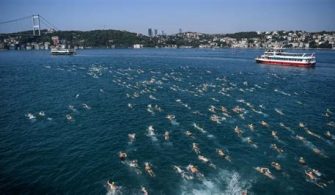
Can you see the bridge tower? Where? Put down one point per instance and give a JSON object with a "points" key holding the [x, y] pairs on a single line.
{"points": [[36, 25]]}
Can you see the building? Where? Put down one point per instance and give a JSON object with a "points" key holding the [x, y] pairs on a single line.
{"points": [[46, 45], [156, 32], [150, 32], [55, 40]]}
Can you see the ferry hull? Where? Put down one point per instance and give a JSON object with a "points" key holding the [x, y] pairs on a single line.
{"points": [[63, 51], [283, 63]]}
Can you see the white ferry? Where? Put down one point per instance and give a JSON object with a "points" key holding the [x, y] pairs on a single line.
{"points": [[279, 57], [61, 51]]}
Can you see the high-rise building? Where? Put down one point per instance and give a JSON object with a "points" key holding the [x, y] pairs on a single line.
{"points": [[150, 32], [180, 30], [156, 32]]}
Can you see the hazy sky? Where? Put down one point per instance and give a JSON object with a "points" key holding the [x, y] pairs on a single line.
{"points": [[210, 16]]}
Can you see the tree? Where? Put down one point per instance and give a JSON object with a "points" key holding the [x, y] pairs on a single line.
{"points": [[312, 44]]}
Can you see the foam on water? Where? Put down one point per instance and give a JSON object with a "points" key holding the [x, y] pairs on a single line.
{"points": [[224, 182]]}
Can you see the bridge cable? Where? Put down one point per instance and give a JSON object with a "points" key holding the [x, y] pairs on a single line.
{"points": [[15, 20], [48, 23]]}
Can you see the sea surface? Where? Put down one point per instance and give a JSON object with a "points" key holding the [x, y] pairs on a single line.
{"points": [[64, 119]]}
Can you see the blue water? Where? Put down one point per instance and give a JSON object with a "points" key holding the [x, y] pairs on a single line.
{"points": [[63, 120]]}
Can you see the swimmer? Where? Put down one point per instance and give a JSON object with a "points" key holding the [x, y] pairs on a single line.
{"points": [[151, 130], [276, 166], [279, 111], [148, 169], [314, 178], [144, 191], [182, 173], [311, 133], [199, 128], [238, 131], [212, 109], [152, 97], [316, 151], [299, 102], [302, 161], [286, 127], [216, 119], [265, 171], [131, 136], [170, 117], [188, 133], [195, 148], [69, 117], [275, 147], [178, 169], [112, 186], [226, 114], [311, 146], [206, 160], [238, 110], [310, 175], [122, 156], [249, 105], [302, 125], [166, 136], [249, 141], [251, 127], [265, 124], [71, 107], [86, 106], [328, 134], [30, 116], [133, 163], [300, 138], [274, 134], [158, 108], [223, 109], [222, 154], [41, 113], [150, 109], [203, 159], [193, 169]]}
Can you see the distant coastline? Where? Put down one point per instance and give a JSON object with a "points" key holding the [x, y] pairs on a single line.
{"points": [[124, 39]]}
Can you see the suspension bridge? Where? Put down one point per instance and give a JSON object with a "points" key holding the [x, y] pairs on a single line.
{"points": [[34, 23]]}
